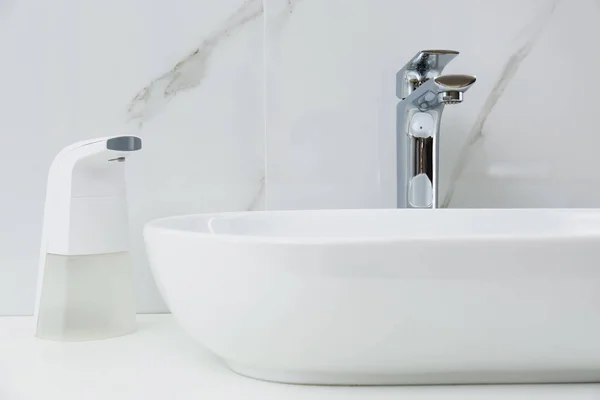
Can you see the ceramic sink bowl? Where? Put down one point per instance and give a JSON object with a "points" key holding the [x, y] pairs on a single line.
{"points": [[375, 297]]}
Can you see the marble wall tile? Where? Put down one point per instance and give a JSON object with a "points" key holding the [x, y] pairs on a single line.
{"points": [[538, 148], [523, 137], [186, 76]]}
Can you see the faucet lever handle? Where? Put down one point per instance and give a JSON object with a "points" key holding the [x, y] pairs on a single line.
{"points": [[426, 64]]}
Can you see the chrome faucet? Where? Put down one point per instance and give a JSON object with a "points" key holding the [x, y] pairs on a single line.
{"points": [[424, 92]]}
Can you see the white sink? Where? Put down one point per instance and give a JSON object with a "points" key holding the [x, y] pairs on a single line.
{"points": [[388, 296]]}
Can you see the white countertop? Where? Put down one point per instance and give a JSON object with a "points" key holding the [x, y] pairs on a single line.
{"points": [[161, 362]]}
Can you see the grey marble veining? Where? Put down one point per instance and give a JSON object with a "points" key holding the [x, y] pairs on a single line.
{"points": [[191, 70], [531, 34], [258, 201]]}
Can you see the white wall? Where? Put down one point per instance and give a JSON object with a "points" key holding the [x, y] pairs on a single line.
{"points": [[526, 134], [70, 70]]}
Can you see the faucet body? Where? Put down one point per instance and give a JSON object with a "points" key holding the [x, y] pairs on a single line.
{"points": [[423, 93]]}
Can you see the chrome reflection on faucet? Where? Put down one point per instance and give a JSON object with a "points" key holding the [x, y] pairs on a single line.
{"points": [[424, 92]]}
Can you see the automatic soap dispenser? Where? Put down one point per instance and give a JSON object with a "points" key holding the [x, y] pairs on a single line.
{"points": [[85, 288]]}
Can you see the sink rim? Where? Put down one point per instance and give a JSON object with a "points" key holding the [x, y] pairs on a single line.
{"points": [[573, 230]]}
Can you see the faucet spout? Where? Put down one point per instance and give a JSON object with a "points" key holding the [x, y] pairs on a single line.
{"points": [[425, 65], [444, 89], [423, 93]]}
